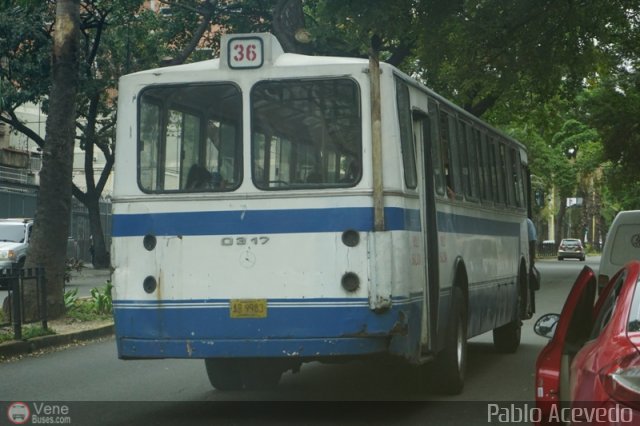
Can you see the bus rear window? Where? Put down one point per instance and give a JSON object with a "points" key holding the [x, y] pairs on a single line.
{"points": [[306, 134], [189, 139]]}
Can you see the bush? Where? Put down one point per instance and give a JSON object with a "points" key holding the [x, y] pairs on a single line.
{"points": [[102, 300], [99, 306]]}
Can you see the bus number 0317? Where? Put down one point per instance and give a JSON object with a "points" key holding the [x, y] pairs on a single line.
{"points": [[244, 241]]}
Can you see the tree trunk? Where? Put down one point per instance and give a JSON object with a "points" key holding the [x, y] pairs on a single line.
{"points": [[289, 27], [560, 221], [53, 208], [100, 253]]}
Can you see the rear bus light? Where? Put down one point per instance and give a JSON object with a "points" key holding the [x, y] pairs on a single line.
{"points": [[622, 380]]}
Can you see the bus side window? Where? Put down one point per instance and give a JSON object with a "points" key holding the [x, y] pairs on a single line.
{"points": [[505, 174], [454, 156], [436, 152], [475, 164], [485, 159], [516, 171], [446, 156], [450, 157], [468, 161], [496, 170], [406, 137]]}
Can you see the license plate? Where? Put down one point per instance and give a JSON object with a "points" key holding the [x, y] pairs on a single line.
{"points": [[248, 308]]}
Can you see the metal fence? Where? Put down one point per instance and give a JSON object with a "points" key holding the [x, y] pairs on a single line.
{"points": [[547, 249], [18, 282], [20, 201]]}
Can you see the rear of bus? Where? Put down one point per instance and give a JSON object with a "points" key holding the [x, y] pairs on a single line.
{"points": [[242, 215]]}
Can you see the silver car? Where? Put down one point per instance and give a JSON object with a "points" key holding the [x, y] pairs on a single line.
{"points": [[571, 248], [14, 241]]}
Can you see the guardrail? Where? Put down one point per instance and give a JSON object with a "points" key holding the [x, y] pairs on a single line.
{"points": [[15, 281]]}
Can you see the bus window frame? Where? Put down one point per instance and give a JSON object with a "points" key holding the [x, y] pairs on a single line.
{"points": [[436, 147], [164, 110], [291, 186], [407, 139]]}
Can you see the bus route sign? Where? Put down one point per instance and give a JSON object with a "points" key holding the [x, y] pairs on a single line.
{"points": [[245, 52]]}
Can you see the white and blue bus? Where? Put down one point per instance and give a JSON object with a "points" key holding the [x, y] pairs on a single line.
{"points": [[271, 209]]}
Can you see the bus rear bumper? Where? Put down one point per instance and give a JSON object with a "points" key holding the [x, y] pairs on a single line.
{"points": [[129, 348]]}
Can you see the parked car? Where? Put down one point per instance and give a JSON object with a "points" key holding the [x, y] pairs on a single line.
{"points": [[591, 365], [571, 248], [14, 241], [622, 245]]}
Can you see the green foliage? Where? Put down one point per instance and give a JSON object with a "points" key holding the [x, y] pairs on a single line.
{"points": [[102, 300], [482, 53], [613, 107], [342, 28], [25, 46], [70, 298], [28, 332], [99, 306]]}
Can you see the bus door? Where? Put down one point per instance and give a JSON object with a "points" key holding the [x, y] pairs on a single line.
{"points": [[430, 173]]}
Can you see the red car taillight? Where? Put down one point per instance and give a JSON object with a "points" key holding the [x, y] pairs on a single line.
{"points": [[622, 380]]}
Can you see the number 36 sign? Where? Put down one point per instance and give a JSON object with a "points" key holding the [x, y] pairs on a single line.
{"points": [[245, 52]]}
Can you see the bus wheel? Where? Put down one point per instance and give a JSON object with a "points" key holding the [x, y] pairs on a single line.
{"points": [[224, 373], [450, 364], [506, 339], [261, 373]]}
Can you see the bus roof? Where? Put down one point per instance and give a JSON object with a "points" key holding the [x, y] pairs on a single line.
{"points": [[257, 50]]}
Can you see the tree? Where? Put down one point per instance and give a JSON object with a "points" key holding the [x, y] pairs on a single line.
{"points": [[111, 32], [613, 107], [53, 211], [486, 52], [117, 38], [577, 161]]}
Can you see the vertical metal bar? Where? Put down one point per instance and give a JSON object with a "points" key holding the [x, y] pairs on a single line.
{"points": [[376, 140], [16, 297], [41, 282]]}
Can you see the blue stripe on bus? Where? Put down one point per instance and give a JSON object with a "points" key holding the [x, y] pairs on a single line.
{"points": [[449, 222], [240, 222], [244, 222]]}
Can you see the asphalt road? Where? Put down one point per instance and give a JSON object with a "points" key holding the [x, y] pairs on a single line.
{"points": [[176, 390]]}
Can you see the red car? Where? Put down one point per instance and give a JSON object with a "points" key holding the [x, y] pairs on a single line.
{"points": [[589, 372]]}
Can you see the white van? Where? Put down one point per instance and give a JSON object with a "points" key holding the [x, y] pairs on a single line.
{"points": [[621, 246]]}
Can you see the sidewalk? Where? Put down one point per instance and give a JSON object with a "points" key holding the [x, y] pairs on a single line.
{"points": [[24, 347], [84, 281], [88, 278]]}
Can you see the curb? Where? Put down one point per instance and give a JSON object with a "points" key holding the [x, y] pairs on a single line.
{"points": [[24, 347]]}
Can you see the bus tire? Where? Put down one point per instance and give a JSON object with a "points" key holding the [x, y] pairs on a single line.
{"points": [[450, 364], [261, 373], [224, 373], [506, 339]]}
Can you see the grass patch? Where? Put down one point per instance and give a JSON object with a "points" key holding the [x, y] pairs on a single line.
{"points": [[28, 332], [85, 310]]}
